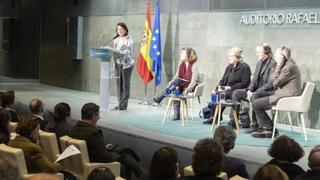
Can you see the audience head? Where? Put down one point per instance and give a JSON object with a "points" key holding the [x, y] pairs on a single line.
{"points": [[234, 55], [226, 136], [283, 53], [207, 157], [164, 164], [4, 126], [101, 173], [43, 176], [28, 127], [7, 99], [188, 54], [263, 51], [270, 172], [314, 158], [36, 106], [61, 112], [90, 112], [286, 149], [7, 170], [122, 29]]}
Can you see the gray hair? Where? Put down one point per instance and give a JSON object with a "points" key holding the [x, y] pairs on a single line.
{"points": [[226, 136], [286, 52]]}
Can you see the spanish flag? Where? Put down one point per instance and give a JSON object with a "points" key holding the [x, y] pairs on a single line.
{"points": [[144, 64]]}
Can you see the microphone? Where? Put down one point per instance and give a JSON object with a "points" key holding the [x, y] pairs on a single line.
{"points": [[110, 40]]}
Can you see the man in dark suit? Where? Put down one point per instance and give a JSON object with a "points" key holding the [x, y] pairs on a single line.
{"points": [[36, 107], [259, 86], [236, 76], [286, 80], [314, 164], [232, 166], [86, 129]]}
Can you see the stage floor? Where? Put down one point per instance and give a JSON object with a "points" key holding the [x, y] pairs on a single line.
{"points": [[146, 122]]}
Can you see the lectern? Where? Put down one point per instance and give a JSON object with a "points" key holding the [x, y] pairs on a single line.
{"points": [[104, 54]]}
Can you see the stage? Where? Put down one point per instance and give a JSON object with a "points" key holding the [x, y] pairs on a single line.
{"points": [[140, 127]]}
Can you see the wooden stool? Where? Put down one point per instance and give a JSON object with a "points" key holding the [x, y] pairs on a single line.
{"points": [[218, 112], [183, 108]]}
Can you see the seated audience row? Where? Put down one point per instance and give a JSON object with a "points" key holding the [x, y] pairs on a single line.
{"points": [[7, 100]]}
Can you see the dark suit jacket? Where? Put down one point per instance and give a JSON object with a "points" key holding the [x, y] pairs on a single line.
{"points": [[286, 79], [292, 170], [236, 78], [94, 140], [266, 73], [233, 166], [309, 175], [35, 159]]}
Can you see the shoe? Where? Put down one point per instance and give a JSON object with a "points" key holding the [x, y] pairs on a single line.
{"points": [[156, 100], [208, 121], [154, 103], [116, 108], [176, 119], [251, 130], [263, 133]]}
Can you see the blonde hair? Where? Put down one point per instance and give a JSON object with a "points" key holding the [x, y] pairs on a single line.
{"points": [[237, 52], [270, 172], [191, 54]]}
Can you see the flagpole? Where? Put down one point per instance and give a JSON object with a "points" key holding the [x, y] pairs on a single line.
{"points": [[145, 101]]}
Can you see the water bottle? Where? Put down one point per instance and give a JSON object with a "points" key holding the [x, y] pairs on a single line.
{"points": [[177, 92], [214, 97]]}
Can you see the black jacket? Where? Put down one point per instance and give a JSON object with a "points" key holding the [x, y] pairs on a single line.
{"points": [[292, 170], [236, 78], [96, 148], [309, 175], [233, 166], [266, 73]]}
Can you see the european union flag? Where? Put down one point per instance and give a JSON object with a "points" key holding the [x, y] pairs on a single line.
{"points": [[155, 47]]}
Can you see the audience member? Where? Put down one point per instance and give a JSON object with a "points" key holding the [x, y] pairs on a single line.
{"points": [[4, 126], [8, 99], [286, 80], [259, 85], [270, 172], [164, 165], [28, 130], [101, 173], [207, 160], [7, 170], [36, 107], [186, 78], [236, 76], [59, 125], [43, 176], [232, 166], [86, 129], [314, 163], [285, 151]]}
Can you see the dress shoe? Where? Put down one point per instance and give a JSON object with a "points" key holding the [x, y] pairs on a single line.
{"points": [[176, 119], [263, 133], [119, 108], [208, 121], [251, 130]]}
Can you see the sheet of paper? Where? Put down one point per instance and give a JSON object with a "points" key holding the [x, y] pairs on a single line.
{"points": [[69, 151]]}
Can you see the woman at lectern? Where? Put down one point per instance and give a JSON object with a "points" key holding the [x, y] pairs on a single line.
{"points": [[123, 64]]}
